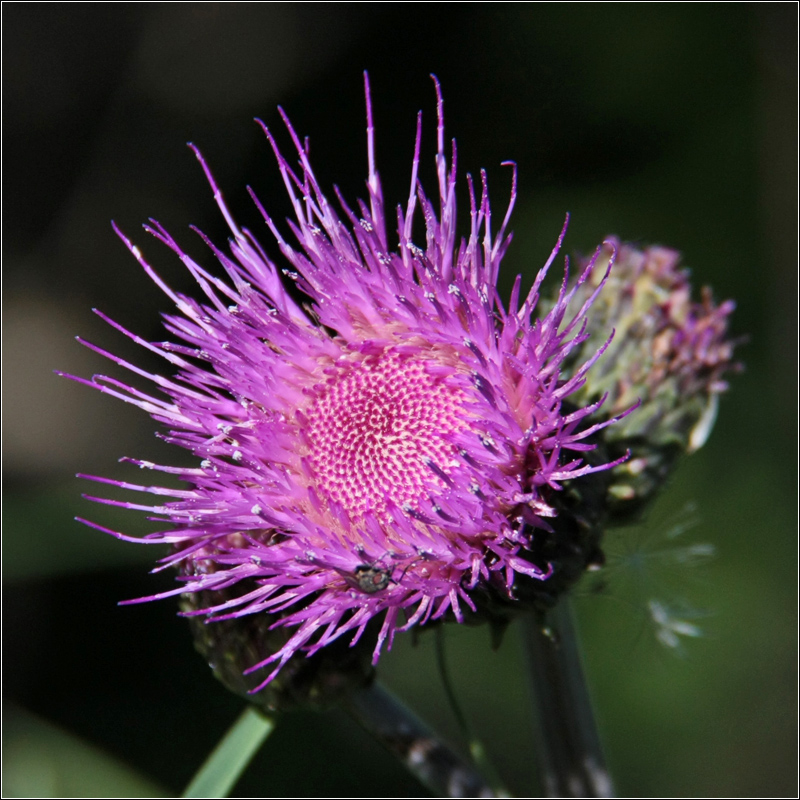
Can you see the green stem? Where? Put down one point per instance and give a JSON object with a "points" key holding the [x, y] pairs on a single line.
{"points": [[476, 748], [230, 757], [420, 749], [568, 747]]}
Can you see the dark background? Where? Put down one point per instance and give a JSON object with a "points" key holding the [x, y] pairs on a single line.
{"points": [[668, 123]]}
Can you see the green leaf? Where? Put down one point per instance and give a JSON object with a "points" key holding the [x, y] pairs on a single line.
{"points": [[231, 756]]}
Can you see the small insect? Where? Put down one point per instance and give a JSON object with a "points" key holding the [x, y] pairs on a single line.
{"points": [[374, 577], [371, 579]]}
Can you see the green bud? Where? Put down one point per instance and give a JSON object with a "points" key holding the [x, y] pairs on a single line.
{"points": [[232, 646], [668, 353]]}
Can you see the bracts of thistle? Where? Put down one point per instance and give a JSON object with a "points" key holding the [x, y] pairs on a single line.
{"points": [[669, 352], [386, 454]]}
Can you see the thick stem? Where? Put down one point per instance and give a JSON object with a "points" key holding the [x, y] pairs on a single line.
{"points": [[417, 746], [571, 762]]}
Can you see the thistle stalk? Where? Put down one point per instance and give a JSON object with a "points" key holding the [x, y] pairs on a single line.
{"points": [[568, 750], [401, 732]]}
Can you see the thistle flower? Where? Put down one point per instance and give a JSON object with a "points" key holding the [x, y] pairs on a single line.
{"points": [[668, 351], [383, 456]]}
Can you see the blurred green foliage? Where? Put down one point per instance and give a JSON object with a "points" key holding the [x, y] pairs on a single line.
{"points": [[41, 760]]}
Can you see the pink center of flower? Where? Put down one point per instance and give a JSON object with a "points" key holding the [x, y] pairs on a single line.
{"points": [[376, 427]]}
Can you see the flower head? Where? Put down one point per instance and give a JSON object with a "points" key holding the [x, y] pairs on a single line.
{"points": [[670, 352], [387, 452]]}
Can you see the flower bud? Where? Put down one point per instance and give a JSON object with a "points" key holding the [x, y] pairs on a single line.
{"points": [[234, 646], [668, 352]]}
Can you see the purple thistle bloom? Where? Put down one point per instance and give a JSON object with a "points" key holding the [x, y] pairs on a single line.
{"points": [[388, 449]]}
